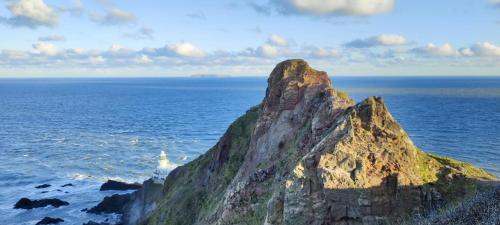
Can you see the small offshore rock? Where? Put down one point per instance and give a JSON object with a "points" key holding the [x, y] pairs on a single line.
{"points": [[119, 186], [49, 220], [68, 185], [111, 204], [26, 203], [43, 186], [95, 223]]}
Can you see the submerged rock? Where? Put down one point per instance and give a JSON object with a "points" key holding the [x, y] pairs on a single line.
{"points": [[308, 155], [25, 203], [43, 186], [119, 186], [96, 223], [111, 204], [49, 220]]}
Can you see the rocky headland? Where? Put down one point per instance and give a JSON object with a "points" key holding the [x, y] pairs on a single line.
{"points": [[307, 155]]}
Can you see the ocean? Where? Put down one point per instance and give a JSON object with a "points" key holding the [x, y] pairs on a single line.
{"points": [[87, 130]]}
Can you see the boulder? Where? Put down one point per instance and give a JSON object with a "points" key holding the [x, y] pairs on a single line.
{"points": [[68, 185], [96, 223], [43, 186], [111, 204], [119, 186], [26, 203], [49, 220]]}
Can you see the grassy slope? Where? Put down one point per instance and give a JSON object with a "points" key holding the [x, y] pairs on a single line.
{"points": [[195, 190]]}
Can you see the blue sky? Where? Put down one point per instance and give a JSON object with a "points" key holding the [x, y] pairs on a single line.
{"points": [[245, 38]]}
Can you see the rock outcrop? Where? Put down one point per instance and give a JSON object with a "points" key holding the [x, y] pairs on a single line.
{"points": [[26, 203], [111, 204], [308, 155], [49, 220], [118, 186]]}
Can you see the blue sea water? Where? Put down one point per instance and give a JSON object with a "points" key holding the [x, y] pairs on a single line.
{"points": [[85, 131]]}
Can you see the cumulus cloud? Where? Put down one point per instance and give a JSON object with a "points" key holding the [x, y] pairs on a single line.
{"points": [[333, 7], [52, 38], [267, 50], [96, 60], [482, 49], [275, 39], [143, 59], [324, 53], [30, 13], [114, 17], [75, 9], [381, 40], [445, 50], [118, 50], [14, 54], [187, 55], [495, 3], [185, 49], [44, 48]]}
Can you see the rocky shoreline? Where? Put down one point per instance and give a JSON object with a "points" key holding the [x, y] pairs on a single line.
{"points": [[110, 204]]}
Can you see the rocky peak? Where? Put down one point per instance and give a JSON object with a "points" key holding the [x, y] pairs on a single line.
{"points": [[308, 155], [290, 81], [298, 90]]}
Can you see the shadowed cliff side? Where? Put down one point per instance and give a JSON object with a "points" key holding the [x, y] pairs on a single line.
{"points": [[308, 155]]}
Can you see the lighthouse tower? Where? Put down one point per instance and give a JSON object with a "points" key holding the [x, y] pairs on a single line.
{"points": [[162, 170]]}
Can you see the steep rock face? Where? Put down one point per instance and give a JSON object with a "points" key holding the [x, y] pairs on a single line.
{"points": [[308, 155]]}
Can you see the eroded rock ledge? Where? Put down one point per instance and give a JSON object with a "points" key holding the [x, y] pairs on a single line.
{"points": [[307, 155]]}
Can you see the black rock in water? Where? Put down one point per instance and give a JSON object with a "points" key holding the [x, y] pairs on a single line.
{"points": [[26, 203], [111, 204], [95, 223], [49, 220], [43, 186], [68, 185], [120, 186]]}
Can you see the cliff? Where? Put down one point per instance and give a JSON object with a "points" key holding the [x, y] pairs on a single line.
{"points": [[308, 155]]}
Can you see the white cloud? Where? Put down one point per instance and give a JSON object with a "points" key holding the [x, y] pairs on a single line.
{"points": [[325, 53], [52, 38], [44, 48], [267, 50], [335, 7], [15, 54], [483, 49], [96, 60], [143, 59], [445, 50], [381, 40], [275, 39], [466, 52], [30, 13], [186, 49], [114, 17], [495, 3]]}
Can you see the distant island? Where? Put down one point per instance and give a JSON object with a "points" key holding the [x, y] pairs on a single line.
{"points": [[209, 76]]}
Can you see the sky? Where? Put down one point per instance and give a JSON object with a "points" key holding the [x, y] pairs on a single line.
{"points": [[107, 38]]}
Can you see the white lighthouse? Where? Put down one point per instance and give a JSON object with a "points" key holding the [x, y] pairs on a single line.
{"points": [[162, 170]]}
